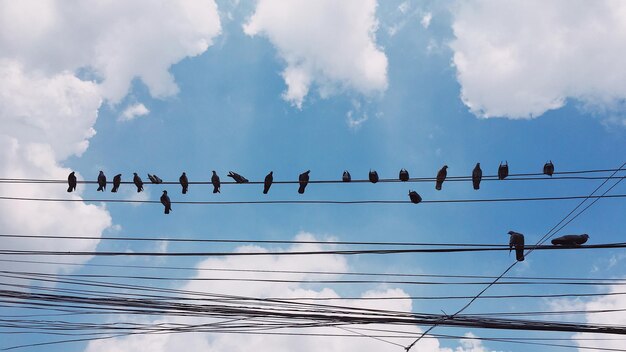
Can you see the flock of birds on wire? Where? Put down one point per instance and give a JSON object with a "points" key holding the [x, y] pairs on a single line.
{"points": [[303, 180]]}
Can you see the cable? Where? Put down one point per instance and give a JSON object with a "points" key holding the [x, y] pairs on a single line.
{"points": [[343, 202]]}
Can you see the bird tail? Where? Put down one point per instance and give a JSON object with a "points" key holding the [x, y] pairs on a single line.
{"points": [[476, 185], [184, 190], [100, 189], [69, 189], [265, 191], [216, 190], [301, 189], [438, 186], [519, 253], [114, 190]]}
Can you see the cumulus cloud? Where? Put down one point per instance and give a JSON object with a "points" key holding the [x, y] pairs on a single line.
{"points": [[425, 21], [133, 111], [59, 60], [519, 59], [325, 42], [262, 343]]}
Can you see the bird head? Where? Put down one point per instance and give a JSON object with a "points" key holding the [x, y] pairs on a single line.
{"points": [[184, 173], [164, 192], [477, 164], [134, 173], [271, 172], [445, 166], [585, 236], [214, 173]]}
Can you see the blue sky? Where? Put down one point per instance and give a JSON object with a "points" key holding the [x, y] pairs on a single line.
{"points": [[412, 85]]}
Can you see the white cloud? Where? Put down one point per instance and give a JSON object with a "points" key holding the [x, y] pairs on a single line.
{"points": [[519, 59], [426, 19], [325, 42], [59, 60], [133, 111], [260, 343]]}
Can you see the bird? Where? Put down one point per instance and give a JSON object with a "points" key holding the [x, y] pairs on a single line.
{"points": [[102, 182], [117, 180], [477, 175], [346, 176], [503, 170], [415, 197], [138, 182], [571, 240], [71, 182], [237, 177], [516, 241], [404, 175], [269, 178], [303, 179], [215, 180], [441, 176], [548, 168], [155, 179], [373, 176], [165, 200], [184, 182]]}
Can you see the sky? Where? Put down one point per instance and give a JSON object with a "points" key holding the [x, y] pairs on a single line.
{"points": [[163, 87]]}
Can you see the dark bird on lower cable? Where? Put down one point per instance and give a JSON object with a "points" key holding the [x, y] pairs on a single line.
{"points": [[71, 182], [441, 176], [165, 200], [184, 182], [373, 176], [269, 178], [503, 170], [138, 182], [117, 180], [516, 241], [548, 168], [571, 240], [477, 175], [237, 177], [415, 197], [403, 175], [303, 180], [215, 181], [346, 176], [102, 182]]}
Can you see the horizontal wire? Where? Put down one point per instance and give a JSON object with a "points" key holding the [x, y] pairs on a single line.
{"points": [[314, 201]]}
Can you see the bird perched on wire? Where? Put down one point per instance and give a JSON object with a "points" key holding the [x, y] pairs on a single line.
{"points": [[373, 176], [165, 200], [138, 182], [184, 182], [403, 175], [415, 197], [267, 183], [571, 240], [477, 175], [117, 180], [102, 182], [215, 181], [303, 180], [441, 176], [516, 241], [71, 182], [346, 176], [155, 179], [503, 170], [548, 168], [237, 177]]}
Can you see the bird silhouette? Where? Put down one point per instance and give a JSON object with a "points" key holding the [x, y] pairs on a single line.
{"points": [[441, 176], [403, 175], [215, 180], [165, 200], [117, 180], [571, 240], [373, 176], [138, 182], [303, 180], [503, 170], [415, 197], [102, 182], [346, 176], [184, 182], [477, 175], [155, 179], [71, 182], [268, 182], [237, 177], [548, 168], [516, 241]]}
